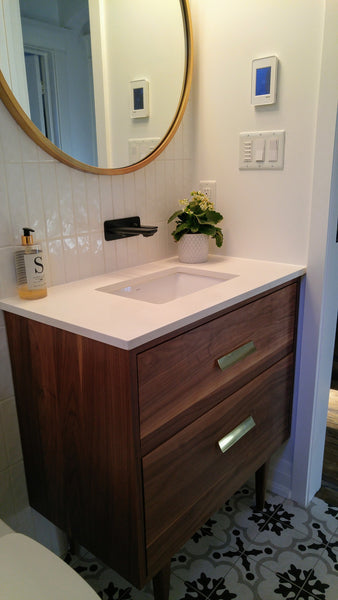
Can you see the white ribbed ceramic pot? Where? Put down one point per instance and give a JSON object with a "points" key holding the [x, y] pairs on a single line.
{"points": [[193, 248]]}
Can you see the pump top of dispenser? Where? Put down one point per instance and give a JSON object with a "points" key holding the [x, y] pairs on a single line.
{"points": [[27, 238]]}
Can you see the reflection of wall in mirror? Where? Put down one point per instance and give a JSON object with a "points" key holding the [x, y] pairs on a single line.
{"points": [[73, 90], [129, 44], [12, 62], [71, 67]]}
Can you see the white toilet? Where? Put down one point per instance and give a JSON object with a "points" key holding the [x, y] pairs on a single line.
{"points": [[28, 571]]}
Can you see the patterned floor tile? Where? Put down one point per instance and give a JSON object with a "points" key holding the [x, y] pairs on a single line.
{"points": [[284, 552], [318, 514]]}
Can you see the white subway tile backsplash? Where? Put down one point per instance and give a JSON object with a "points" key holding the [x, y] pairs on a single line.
{"points": [[11, 136], [80, 201], [140, 194], [129, 196], [17, 199], [150, 186], [65, 195], [96, 255], [93, 202], [35, 205], [71, 260], [118, 197], [56, 266], [84, 254], [106, 197], [121, 249], [43, 157], [110, 259], [6, 237], [50, 200], [29, 149]]}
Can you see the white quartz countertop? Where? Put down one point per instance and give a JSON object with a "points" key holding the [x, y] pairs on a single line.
{"points": [[80, 308]]}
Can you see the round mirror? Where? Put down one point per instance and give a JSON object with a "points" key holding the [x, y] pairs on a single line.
{"points": [[100, 85]]}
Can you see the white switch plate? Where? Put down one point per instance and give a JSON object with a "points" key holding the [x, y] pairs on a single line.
{"points": [[209, 189], [250, 150]]}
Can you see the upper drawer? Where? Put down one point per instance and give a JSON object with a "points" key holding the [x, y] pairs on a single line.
{"points": [[181, 379]]}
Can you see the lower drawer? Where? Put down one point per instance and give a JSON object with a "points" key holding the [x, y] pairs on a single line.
{"points": [[188, 476]]}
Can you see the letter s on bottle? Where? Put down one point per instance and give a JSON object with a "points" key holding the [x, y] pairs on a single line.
{"points": [[38, 265]]}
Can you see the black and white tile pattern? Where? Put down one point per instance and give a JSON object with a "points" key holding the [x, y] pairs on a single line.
{"points": [[284, 552]]}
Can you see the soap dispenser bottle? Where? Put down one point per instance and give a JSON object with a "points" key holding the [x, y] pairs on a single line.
{"points": [[30, 268]]}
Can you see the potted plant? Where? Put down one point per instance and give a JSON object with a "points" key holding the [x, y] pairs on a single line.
{"points": [[195, 223]]}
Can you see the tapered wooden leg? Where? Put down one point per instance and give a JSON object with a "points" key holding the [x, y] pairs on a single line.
{"points": [[161, 583], [261, 479]]}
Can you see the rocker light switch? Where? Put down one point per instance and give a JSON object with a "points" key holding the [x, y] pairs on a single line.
{"points": [[259, 149], [272, 154]]}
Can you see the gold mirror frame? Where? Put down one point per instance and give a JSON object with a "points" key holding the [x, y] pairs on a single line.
{"points": [[13, 106]]}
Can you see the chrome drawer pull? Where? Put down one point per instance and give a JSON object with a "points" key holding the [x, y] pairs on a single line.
{"points": [[236, 434], [236, 355]]}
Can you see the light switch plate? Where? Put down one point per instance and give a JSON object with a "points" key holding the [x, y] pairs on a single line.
{"points": [[251, 144]]}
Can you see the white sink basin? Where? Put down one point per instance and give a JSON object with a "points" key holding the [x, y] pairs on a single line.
{"points": [[166, 286]]}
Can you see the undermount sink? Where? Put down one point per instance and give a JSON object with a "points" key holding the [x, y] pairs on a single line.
{"points": [[166, 286]]}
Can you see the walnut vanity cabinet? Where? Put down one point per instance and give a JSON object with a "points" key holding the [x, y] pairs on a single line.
{"points": [[123, 449]]}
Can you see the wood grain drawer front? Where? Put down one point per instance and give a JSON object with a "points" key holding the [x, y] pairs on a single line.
{"points": [[182, 472], [181, 379]]}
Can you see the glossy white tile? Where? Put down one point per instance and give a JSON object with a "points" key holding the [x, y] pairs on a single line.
{"points": [[93, 202], [35, 204], [55, 267], [65, 195], [80, 201], [11, 136], [50, 200], [106, 199], [17, 199], [71, 259], [96, 255]]}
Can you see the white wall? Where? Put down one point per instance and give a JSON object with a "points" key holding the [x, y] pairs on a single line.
{"points": [[321, 294], [279, 215], [266, 213]]}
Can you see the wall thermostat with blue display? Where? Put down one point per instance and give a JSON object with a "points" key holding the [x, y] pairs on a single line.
{"points": [[139, 89], [264, 80]]}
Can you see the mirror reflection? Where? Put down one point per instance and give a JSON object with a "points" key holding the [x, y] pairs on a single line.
{"points": [[102, 80]]}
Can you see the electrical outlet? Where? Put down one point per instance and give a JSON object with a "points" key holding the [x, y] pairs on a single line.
{"points": [[209, 189]]}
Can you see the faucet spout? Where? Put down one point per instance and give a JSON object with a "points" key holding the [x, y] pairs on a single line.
{"points": [[121, 228]]}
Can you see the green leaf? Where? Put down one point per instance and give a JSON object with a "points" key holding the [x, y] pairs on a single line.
{"points": [[178, 234], [219, 237], [207, 229], [176, 214], [213, 216]]}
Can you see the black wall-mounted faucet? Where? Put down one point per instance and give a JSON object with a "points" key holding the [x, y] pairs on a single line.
{"points": [[123, 228]]}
